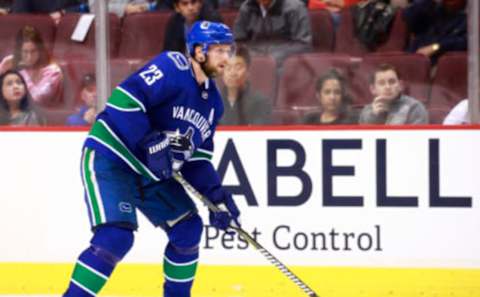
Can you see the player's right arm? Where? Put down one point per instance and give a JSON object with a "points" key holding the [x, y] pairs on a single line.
{"points": [[124, 125]]}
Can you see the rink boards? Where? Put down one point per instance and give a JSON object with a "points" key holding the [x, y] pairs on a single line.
{"points": [[370, 212]]}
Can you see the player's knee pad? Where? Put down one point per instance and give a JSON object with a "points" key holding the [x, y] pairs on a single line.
{"points": [[112, 243], [185, 235]]}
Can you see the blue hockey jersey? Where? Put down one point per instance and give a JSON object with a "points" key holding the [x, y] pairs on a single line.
{"points": [[162, 96]]}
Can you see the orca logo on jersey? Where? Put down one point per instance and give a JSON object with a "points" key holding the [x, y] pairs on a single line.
{"points": [[181, 145]]}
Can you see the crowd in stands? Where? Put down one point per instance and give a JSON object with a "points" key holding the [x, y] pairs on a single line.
{"points": [[316, 62]]}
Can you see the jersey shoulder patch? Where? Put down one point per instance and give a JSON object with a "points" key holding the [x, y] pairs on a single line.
{"points": [[172, 61]]}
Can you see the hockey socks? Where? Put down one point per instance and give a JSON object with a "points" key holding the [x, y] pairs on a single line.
{"points": [[179, 271], [181, 257], [95, 264]]}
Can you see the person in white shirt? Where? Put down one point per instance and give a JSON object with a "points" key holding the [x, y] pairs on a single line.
{"points": [[458, 115]]}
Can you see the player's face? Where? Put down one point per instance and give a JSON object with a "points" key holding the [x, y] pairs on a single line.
{"points": [[30, 54], [236, 73], [13, 89], [218, 56], [386, 85], [189, 9], [330, 96]]}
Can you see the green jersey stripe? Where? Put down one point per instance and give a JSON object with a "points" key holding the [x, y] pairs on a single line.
{"points": [[179, 272], [102, 133], [89, 186], [203, 154], [88, 278], [123, 99]]}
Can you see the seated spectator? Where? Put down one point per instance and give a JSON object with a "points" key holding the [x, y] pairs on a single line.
{"points": [[56, 9], [44, 78], [127, 7], [335, 109], [274, 27], [5, 6], [186, 13], [333, 6], [390, 106], [458, 115], [437, 27], [88, 96], [242, 104], [15, 105]]}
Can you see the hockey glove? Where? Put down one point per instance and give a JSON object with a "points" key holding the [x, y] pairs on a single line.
{"points": [[158, 157], [229, 214]]}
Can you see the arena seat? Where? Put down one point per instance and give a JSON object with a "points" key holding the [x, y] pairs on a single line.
{"points": [[398, 38], [286, 116], [323, 34], [56, 116], [75, 70], [67, 49], [346, 42], [297, 82], [263, 75], [10, 24], [414, 70], [449, 86], [143, 35]]}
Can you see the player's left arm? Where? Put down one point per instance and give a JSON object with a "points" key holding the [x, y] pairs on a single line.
{"points": [[128, 111], [201, 174]]}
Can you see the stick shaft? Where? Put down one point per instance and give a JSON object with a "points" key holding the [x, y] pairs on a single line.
{"points": [[270, 257]]}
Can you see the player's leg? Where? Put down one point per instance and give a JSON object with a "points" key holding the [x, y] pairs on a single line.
{"points": [[95, 264], [168, 205], [181, 256], [108, 193]]}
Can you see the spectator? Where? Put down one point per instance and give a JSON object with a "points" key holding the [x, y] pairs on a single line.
{"points": [[335, 109], [333, 6], [127, 7], [56, 9], [274, 27], [437, 27], [15, 107], [44, 78], [186, 13], [88, 96], [458, 115], [242, 105], [390, 106], [5, 6]]}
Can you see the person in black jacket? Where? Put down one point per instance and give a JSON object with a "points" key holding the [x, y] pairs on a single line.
{"points": [[186, 13], [437, 27]]}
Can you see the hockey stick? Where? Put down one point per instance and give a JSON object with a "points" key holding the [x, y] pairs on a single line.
{"points": [[287, 272]]}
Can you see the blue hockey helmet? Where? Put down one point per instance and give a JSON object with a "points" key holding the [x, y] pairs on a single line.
{"points": [[205, 33]]}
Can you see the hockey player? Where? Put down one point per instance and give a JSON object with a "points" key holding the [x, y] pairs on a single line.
{"points": [[159, 120]]}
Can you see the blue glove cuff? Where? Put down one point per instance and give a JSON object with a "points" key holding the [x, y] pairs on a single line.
{"points": [[158, 157]]}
